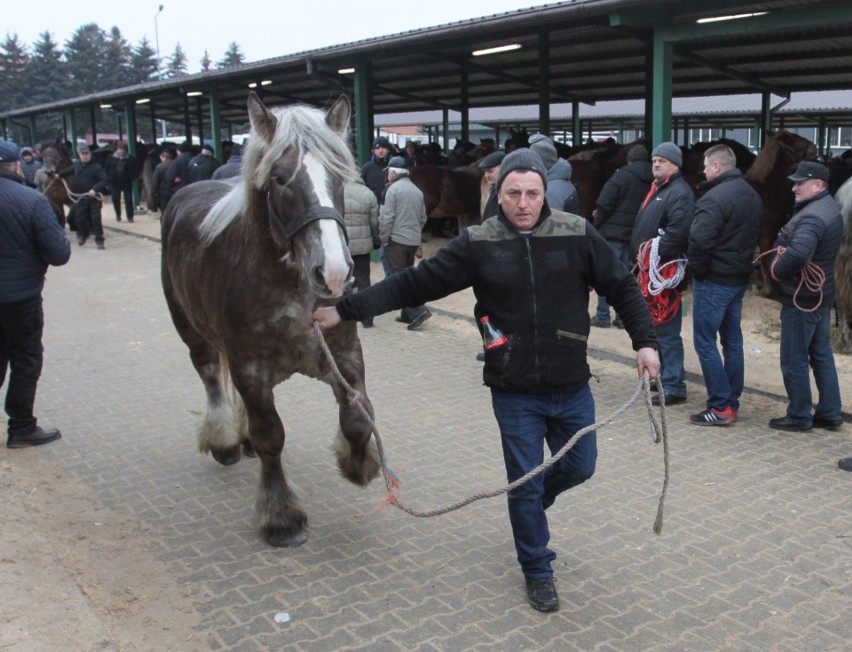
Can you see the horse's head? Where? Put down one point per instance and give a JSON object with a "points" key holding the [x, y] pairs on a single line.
{"points": [[299, 159]]}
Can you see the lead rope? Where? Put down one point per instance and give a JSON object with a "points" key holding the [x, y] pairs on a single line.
{"points": [[659, 434], [73, 196], [813, 277]]}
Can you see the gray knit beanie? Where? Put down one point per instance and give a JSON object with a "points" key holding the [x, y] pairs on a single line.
{"points": [[522, 160], [545, 148], [670, 152], [638, 153]]}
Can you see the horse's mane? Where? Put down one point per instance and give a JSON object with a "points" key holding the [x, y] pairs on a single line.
{"points": [[300, 127], [764, 164]]}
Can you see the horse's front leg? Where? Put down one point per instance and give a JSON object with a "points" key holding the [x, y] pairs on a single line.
{"points": [[280, 518], [357, 456]]}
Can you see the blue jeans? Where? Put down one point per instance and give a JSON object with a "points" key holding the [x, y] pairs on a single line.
{"points": [[805, 343], [718, 310], [672, 374], [622, 252], [526, 422]]}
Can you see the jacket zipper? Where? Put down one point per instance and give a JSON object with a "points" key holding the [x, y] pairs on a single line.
{"points": [[535, 310]]}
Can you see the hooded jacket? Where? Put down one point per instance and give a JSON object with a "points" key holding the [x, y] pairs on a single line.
{"points": [[620, 200], [535, 290], [561, 193]]}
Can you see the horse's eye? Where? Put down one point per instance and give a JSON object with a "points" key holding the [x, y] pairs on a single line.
{"points": [[281, 181]]}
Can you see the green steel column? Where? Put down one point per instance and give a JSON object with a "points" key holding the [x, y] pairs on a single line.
{"points": [[446, 130], [464, 108], [187, 123], [661, 90], [216, 124], [544, 82], [576, 127], [363, 111], [765, 117], [130, 119], [757, 133], [822, 145], [72, 130]]}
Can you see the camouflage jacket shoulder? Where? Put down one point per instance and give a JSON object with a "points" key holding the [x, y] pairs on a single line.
{"points": [[557, 224]]}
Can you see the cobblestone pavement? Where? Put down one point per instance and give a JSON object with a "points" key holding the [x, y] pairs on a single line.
{"points": [[755, 553]]}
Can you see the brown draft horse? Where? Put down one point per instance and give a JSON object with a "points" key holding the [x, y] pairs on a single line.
{"points": [[768, 175], [450, 192], [243, 268], [55, 159]]}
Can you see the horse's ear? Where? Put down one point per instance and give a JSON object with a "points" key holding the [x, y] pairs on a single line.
{"points": [[262, 121], [338, 115]]}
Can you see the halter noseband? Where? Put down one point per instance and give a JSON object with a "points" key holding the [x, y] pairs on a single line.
{"points": [[292, 227]]}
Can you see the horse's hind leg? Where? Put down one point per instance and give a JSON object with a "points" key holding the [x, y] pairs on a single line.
{"points": [[280, 518], [219, 430]]}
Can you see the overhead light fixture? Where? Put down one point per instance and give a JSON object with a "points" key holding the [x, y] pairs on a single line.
{"points": [[106, 106], [716, 19], [346, 71], [253, 85], [266, 82], [496, 50], [194, 93], [144, 100]]}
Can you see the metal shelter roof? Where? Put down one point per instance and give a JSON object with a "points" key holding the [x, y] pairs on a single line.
{"points": [[595, 51]]}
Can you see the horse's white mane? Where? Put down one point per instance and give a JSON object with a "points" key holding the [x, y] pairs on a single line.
{"points": [[298, 126]]}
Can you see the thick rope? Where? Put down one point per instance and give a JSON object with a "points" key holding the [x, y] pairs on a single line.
{"points": [[813, 277], [658, 433], [73, 196], [657, 281]]}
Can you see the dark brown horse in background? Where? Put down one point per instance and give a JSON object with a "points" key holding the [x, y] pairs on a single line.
{"points": [[450, 192], [768, 175], [55, 189], [243, 268]]}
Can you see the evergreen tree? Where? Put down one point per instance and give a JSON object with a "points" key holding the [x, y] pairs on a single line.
{"points": [[143, 62], [206, 62], [233, 56], [119, 52], [48, 83], [14, 59], [87, 55], [176, 66]]}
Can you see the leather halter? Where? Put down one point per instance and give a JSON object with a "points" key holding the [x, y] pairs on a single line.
{"points": [[292, 227]]}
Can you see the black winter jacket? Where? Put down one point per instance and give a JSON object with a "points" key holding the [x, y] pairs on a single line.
{"points": [[813, 235], [30, 240], [620, 200], [671, 208], [725, 231], [87, 176], [121, 171], [177, 176], [202, 167], [535, 290]]}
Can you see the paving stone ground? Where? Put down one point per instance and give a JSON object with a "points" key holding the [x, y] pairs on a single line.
{"points": [[755, 553]]}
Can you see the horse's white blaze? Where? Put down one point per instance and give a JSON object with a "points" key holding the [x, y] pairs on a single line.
{"points": [[335, 266]]}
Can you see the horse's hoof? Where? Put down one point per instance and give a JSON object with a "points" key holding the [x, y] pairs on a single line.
{"points": [[248, 449], [227, 456], [286, 539]]}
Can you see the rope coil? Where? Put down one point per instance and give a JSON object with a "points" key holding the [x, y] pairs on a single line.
{"points": [[658, 434], [813, 277]]}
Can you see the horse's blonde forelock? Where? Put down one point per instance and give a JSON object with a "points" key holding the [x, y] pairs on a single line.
{"points": [[298, 125]]}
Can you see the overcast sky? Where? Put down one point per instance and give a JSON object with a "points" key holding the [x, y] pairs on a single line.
{"points": [[262, 28]]}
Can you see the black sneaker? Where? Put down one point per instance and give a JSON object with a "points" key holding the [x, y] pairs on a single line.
{"points": [[714, 417], [542, 594], [417, 320], [35, 438], [845, 463]]}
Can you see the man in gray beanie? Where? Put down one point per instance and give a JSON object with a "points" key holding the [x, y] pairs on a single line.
{"points": [[667, 213], [530, 268]]}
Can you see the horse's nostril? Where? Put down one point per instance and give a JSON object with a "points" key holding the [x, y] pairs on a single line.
{"points": [[319, 277]]}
